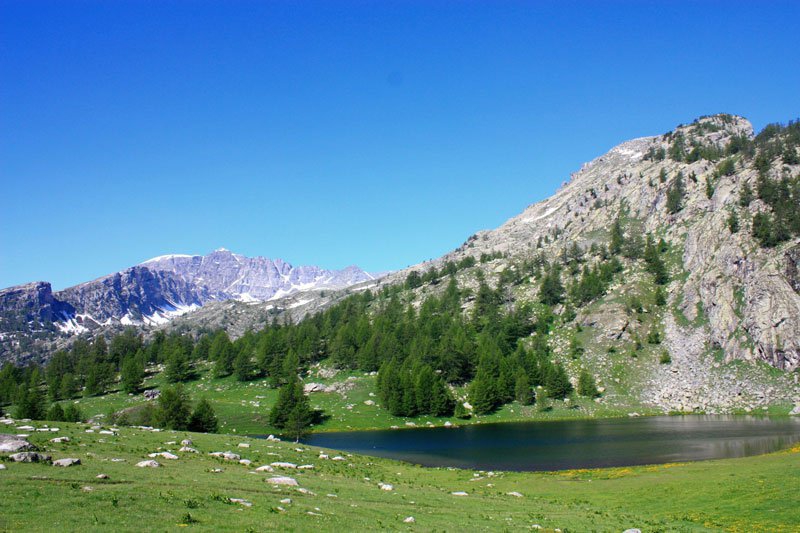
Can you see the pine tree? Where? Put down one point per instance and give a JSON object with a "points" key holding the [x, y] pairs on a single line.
{"points": [[290, 396], [557, 383], [551, 291], [72, 413], [243, 367], [298, 421], [586, 385], [178, 369], [675, 195], [203, 419], [55, 413], [173, 408], [522, 389], [132, 375], [30, 402]]}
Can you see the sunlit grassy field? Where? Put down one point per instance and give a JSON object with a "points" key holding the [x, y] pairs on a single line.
{"points": [[750, 494]]}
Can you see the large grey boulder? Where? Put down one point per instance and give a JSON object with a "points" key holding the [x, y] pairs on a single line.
{"points": [[14, 444], [30, 457], [282, 480]]}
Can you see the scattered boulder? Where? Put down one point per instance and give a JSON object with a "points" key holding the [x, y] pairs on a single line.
{"points": [[515, 494], [306, 491], [305, 467], [795, 411], [30, 457], [60, 440], [245, 462], [409, 520], [151, 394], [14, 444], [265, 468], [273, 438], [244, 445], [2, 467], [282, 480], [386, 486], [314, 387], [186, 442], [240, 501], [68, 461], [228, 456], [148, 464], [188, 449], [164, 455], [338, 458], [459, 493], [281, 464], [101, 476], [286, 501]]}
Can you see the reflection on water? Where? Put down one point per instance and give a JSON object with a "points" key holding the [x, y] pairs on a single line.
{"points": [[575, 443]]}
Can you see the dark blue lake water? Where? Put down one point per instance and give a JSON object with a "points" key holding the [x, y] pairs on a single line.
{"points": [[573, 444]]}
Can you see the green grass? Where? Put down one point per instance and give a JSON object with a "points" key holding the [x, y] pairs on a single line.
{"points": [[750, 494], [243, 408]]}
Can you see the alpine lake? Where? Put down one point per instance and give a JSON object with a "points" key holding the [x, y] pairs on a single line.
{"points": [[573, 444]]}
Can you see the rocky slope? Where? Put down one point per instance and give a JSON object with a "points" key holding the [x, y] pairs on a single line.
{"points": [[34, 319]]}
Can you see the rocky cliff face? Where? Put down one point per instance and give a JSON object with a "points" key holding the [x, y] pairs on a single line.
{"points": [[33, 319], [747, 294]]}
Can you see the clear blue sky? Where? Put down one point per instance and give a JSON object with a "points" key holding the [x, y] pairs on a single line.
{"points": [[373, 133]]}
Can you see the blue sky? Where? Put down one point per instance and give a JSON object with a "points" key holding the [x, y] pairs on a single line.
{"points": [[335, 133]]}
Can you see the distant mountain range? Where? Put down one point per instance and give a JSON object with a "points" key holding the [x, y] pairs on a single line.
{"points": [[153, 293]]}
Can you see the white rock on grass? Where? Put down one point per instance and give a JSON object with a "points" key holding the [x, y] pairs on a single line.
{"points": [[30, 457], [515, 494], [244, 445], [409, 520], [338, 458], [68, 461], [282, 464], [265, 468], [186, 442], [286, 501], [240, 501], [101, 476], [459, 493], [148, 464], [245, 462], [305, 467], [164, 455], [188, 449], [386, 486], [13, 444], [228, 456], [282, 480], [301, 490], [59, 440], [2, 467]]}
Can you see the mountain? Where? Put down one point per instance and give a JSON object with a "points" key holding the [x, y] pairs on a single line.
{"points": [[33, 318]]}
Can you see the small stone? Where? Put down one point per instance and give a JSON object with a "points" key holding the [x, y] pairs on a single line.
{"points": [[87, 489], [240, 501], [69, 461], [148, 464], [305, 467], [282, 464], [338, 458], [245, 462], [2, 467], [101, 476], [409, 520], [286, 501], [60, 440], [386, 486], [186, 442], [459, 493], [306, 491], [244, 445], [188, 449], [265, 468], [515, 494]]}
